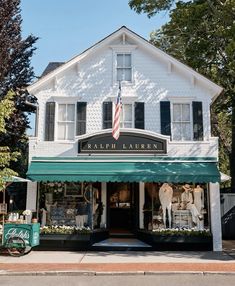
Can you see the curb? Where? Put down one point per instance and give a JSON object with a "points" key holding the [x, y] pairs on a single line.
{"points": [[113, 273]]}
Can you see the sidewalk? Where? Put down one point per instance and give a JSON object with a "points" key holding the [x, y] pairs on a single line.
{"points": [[97, 263]]}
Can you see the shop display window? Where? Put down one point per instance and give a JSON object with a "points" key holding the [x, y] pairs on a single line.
{"points": [[70, 204], [175, 206]]}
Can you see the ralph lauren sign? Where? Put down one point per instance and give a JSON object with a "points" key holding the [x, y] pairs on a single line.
{"points": [[127, 143]]}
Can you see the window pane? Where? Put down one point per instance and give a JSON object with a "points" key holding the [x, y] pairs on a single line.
{"points": [[62, 112], [176, 134], [176, 112], [185, 112], [127, 74], [186, 131], [70, 112], [61, 131], [119, 60], [127, 124], [128, 112], [127, 62], [121, 115], [120, 74], [70, 131]]}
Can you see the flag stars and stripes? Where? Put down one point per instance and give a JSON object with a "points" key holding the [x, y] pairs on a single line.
{"points": [[117, 115]]}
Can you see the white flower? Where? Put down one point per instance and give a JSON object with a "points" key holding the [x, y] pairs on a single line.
{"points": [[27, 212]]}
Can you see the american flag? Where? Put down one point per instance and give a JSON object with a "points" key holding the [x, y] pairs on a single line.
{"points": [[118, 109]]}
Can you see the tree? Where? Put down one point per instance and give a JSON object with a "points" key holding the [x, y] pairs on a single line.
{"points": [[201, 33], [151, 7], [6, 109], [15, 74]]}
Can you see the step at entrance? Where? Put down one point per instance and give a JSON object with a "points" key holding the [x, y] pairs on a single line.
{"points": [[121, 244]]}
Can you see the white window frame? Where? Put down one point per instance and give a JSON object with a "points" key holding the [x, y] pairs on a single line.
{"points": [[191, 119], [61, 98], [133, 112], [123, 49], [132, 116], [57, 120], [123, 68]]}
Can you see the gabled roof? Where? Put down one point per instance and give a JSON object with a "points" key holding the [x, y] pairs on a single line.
{"points": [[50, 67], [215, 89]]}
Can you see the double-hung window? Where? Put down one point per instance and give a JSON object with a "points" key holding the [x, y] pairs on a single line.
{"points": [[181, 123], [126, 118], [124, 67], [66, 122]]}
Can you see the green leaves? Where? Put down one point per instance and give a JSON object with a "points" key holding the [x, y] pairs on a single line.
{"points": [[6, 109], [150, 7], [6, 156]]}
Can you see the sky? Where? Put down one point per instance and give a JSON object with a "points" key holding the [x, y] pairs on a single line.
{"points": [[68, 27]]}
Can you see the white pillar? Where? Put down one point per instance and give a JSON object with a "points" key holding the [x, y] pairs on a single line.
{"points": [[104, 202], [141, 204], [31, 200], [214, 190]]}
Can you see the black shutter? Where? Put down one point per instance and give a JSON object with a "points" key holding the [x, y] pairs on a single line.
{"points": [[139, 115], [165, 117], [50, 121], [81, 118], [107, 114], [197, 121]]}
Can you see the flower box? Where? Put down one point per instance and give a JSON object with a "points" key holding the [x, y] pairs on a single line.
{"points": [[176, 241]]}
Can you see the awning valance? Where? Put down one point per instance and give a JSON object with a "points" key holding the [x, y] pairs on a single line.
{"points": [[92, 170]]}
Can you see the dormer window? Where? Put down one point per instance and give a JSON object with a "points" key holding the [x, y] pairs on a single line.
{"points": [[124, 67]]}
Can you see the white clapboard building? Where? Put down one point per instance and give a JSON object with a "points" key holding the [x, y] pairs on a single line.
{"points": [[161, 173]]}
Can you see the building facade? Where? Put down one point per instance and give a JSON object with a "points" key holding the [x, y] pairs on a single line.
{"points": [[162, 171]]}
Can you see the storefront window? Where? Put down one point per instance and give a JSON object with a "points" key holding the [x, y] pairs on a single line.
{"points": [[175, 206], [70, 204]]}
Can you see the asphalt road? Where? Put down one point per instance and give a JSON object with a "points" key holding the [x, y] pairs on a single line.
{"points": [[111, 280]]}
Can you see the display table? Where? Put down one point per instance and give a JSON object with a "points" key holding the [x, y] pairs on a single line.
{"points": [[29, 232], [182, 218]]}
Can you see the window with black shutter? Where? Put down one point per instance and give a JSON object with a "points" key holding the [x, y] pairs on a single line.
{"points": [[165, 115], [107, 114], [81, 118], [197, 121], [139, 115], [50, 121]]}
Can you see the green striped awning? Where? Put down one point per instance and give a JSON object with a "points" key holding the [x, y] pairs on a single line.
{"points": [[122, 170]]}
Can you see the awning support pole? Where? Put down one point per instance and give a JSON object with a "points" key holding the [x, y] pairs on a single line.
{"points": [[214, 191]]}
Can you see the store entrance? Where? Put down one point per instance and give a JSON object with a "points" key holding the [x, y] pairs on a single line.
{"points": [[123, 207]]}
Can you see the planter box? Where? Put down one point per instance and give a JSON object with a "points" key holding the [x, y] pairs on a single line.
{"points": [[80, 241], [77, 237], [175, 242]]}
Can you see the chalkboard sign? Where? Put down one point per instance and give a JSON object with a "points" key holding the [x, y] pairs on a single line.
{"points": [[73, 189]]}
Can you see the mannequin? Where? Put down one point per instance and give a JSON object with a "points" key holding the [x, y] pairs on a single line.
{"points": [[165, 197], [198, 194], [187, 201]]}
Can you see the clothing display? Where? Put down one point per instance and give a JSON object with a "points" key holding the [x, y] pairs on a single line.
{"points": [[187, 200], [198, 194], [165, 197]]}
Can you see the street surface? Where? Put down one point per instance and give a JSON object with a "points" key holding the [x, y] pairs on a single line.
{"points": [[111, 280]]}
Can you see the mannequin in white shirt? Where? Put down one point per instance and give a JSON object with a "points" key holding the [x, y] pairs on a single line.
{"points": [[165, 197]]}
